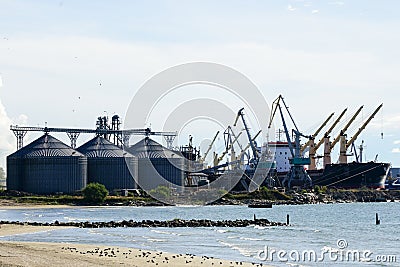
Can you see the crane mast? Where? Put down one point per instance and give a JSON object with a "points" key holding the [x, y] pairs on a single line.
{"points": [[311, 140], [297, 171], [345, 145], [329, 146], [251, 141], [243, 151], [314, 148]]}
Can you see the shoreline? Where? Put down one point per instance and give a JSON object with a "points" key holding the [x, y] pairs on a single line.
{"points": [[77, 255], [262, 196]]}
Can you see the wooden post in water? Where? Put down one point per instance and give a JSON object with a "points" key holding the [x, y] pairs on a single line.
{"points": [[377, 221], [287, 219]]}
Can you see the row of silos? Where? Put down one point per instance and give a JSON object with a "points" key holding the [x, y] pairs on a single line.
{"points": [[48, 166]]}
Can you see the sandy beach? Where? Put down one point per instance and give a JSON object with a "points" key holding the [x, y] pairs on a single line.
{"points": [[63, 254]]}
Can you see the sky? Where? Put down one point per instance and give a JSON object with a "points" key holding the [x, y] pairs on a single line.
{"points": [[65, 63]]}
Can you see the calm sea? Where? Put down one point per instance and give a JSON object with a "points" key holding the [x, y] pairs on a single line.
{"points": [[325, 234]]}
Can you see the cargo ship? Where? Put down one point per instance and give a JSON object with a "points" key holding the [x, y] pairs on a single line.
{"points": [[351, 175], [341, 175]]}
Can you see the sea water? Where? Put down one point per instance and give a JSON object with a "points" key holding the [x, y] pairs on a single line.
{"points": [[323, 234]]}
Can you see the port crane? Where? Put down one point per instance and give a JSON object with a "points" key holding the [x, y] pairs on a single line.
{"points": [[344, 145], [252, 142], [328, 146], [243, 151], [310, 141], [209, 148], [314, 147], [228, 146], [297, 171]]}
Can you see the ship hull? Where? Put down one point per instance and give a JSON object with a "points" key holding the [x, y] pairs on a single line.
{"points": [[351, 175]]}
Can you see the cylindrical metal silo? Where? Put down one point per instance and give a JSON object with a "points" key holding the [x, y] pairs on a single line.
{"points": [[47, 166], [108, 164], [152, 157]]}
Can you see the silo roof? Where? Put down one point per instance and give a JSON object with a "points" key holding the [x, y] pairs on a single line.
{"points": [[46, 146], [148, 148], [101, 147]]}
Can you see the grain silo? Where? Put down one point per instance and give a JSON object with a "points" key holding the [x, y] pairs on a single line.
{"points": [[46, 166], [155, 161], [108, 164]]}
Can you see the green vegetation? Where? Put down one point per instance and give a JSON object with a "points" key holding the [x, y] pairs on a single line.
{"points": [[320, 189], [263, 193], [160, 191], [95, 193], [272, 194]]}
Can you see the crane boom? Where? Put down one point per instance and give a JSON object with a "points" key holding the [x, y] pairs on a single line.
{"points": [[248, 145], [217, 160], [314, 148], [303, 147], [251, 141], [348, 144], [275, 106], [334, 142], [210, 146], [330, 129]]}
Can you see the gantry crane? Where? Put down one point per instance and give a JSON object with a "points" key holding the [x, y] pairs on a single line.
{"points": [[345, 145], [328, 146], [314, 147], [297, 162]]}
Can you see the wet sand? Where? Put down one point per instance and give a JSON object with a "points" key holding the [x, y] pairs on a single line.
{"points": [[62, 254]]}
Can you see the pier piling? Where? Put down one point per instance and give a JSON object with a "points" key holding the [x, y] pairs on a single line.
{"points": [[377, 220]]}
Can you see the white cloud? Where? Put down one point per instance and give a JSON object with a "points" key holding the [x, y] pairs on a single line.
{"points": [[291, 8], [7, 139], [396, 150]]}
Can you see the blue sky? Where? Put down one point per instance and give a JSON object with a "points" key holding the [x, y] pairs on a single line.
{"points": [[322, 56]]}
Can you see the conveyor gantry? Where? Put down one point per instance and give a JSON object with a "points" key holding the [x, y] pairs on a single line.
{"points": [[73, 134]]}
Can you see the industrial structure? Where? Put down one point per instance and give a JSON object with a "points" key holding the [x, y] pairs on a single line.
{"points": [[303, 166], [46, 166], [156, 162], [111, 132], [107, 164]]}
